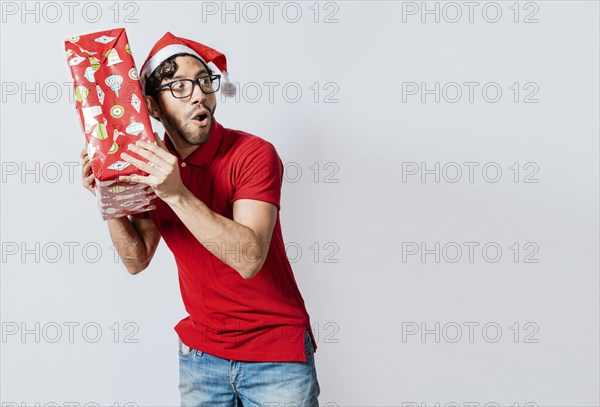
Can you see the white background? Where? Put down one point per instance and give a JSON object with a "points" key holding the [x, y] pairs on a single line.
{"points": [[363, 289]]}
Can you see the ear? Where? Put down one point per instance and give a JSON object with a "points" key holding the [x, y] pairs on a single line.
{"points": [[153, 108]]}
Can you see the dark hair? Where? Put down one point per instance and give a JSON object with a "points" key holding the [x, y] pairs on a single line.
{"points": [[166, 70]]}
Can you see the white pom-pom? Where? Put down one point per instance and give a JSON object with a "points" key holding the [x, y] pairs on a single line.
{"points": [[227, 88]]}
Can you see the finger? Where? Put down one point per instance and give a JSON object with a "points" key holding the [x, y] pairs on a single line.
{"points": [[159, 150], [150, 158], [159, 142], [135, 179], [127, 178], [83, 153], [89, 185], [87, 170], [144, 166]]}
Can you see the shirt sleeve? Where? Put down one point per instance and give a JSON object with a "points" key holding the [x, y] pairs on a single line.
{"points": [[258, 173]]}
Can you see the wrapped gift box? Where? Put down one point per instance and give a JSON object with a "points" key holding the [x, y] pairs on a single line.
{"points": [[112, 111]]}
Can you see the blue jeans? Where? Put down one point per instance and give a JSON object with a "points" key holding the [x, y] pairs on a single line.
{"points": [[207, 380]]}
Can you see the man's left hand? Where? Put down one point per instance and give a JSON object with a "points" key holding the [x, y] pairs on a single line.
{"points": [[161, 166]]}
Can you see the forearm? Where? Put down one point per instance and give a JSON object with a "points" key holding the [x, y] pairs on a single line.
{"points": [[233, 243], [129, 244]]}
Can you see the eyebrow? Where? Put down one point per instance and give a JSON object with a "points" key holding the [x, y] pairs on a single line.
{"points": [[183, 76]]}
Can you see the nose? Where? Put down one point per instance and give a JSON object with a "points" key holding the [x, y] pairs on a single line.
{"points": [[197, 96]]}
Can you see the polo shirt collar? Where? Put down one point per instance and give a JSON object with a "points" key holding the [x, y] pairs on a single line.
{"points": [[206, 152]]}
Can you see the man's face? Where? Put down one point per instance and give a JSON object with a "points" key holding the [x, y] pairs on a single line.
{"points": [[181, 117]]}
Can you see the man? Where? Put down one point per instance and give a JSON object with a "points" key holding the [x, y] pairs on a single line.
{"points": [[247, 340]]}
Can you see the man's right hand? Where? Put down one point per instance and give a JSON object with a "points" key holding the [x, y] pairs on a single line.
{"points": [[86, 173]]}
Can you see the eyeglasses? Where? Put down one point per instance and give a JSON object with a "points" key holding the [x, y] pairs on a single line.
{"points": [[183, 88]]}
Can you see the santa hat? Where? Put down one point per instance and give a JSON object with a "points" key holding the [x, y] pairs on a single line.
{"points": [[170, 45]]}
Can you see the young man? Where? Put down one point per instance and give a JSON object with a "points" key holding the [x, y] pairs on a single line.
{"points": [[247, 340]]}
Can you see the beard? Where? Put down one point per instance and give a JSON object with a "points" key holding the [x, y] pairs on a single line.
{"points": [[189, 131]]}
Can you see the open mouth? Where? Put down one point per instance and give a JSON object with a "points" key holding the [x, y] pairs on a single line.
{"points": [[201, 118]]}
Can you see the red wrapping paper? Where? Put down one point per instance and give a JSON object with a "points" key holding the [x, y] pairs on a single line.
{"points": [[112, 111]]}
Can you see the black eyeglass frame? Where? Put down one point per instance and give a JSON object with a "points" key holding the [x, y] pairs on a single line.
{"points": [[213, 78]]}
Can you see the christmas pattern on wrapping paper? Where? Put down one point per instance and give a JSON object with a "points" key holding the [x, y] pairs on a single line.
{"points": [[112, 111]]}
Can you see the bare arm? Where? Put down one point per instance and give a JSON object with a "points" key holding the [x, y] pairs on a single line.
{"points": [[242, 242], [136, 240]]}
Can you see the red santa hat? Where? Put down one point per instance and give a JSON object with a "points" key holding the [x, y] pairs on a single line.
{"points": [[170, 45]]}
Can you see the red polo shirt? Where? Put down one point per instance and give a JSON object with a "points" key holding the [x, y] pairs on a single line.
{"points": [[262, 319]]}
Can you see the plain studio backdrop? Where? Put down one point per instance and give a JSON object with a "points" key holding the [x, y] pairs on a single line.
{"points": [[440, 200]]}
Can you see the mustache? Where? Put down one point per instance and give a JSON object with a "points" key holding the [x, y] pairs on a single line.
{"points": [[194, 112]]}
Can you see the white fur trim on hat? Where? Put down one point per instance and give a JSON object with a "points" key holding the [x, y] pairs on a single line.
{"points": [[162, 55]]}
